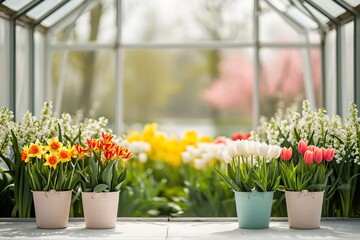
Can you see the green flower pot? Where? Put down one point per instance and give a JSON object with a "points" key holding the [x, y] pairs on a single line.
{"points": [[253, 209]]}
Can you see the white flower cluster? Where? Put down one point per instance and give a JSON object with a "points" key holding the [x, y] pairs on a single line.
{"points": [[5, 127], [203, 154], [140, 149], [342, 134], [47, 126], [249, 148]]}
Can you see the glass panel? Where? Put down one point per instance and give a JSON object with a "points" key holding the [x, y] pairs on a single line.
{"points": [[61, 13], [205, 90], [353, 3], [16, 4], [40, 83], [22, 71], [348, 83], [330, 6], [89, 83], [294, 13], [330, 75], [42, 8], [4, 67], [98, 24], [174, 21], [282, 79], [323, 19], [273, 28]]}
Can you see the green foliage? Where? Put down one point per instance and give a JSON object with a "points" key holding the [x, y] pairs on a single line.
{"points": [[101, 176], [301, 176], [20, 186], [243, 176]]}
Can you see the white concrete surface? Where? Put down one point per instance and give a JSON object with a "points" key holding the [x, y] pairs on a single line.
{"points": [[223, 228]]}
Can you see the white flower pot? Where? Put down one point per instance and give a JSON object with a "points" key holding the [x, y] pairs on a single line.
{"points": [[304, 209], [52, 208], [100, 209]]}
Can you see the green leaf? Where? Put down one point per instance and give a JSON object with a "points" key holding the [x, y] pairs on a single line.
{"points": [[227, 180], [106, 175], [101, 188]]}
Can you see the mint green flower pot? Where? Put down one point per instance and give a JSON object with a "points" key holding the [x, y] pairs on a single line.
{"points": [[253, 209]]}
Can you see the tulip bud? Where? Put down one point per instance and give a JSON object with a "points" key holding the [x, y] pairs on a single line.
{"points": [[311, 148], [302, 146], [329, 154], [274, 151], [286, 153], [226, 157], [318, 157], [308, 157], [263, 149]]}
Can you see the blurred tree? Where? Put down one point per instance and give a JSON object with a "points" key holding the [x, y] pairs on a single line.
{"points": [[282, 80]]}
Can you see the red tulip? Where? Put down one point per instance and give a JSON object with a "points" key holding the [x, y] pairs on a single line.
{"points": [[318, 156], [237, 136], [329, 154], [286, 153], [109, 155], [302, 146], [308, 157], [91, 143]]}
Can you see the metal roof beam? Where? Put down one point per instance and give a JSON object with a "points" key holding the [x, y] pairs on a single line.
{"points": [[356, 15], [339, 64], [51, 11], [12, 56]]}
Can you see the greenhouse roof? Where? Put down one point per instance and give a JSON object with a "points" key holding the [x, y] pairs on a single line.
{"points": [[308, 14]]}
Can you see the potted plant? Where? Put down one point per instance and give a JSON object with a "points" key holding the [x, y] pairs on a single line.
{"points": [[253, 176], [102, 171], [50, 168], [305, 173]]}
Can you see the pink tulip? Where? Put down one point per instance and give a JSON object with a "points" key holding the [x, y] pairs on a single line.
{"points": [[302, 146], [329, 154], [323, 150], [311, 148], [318, 156], [286, 153], [308, 157]]}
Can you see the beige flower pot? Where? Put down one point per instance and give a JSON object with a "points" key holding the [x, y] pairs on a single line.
{"points": [[52, 208], [100, 209], [304, 209]]}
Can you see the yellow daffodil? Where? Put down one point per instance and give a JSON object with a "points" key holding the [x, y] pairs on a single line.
{"points": [[51, 160], [65, 154], [35, 149], [53, 144]]}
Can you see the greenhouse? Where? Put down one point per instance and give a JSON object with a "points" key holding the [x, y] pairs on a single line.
{"points": [[185, 119]]}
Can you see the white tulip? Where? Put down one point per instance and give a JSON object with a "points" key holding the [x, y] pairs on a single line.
{"points": [[263, 149], [143, 157], [240, 147], [232, 149], [274, 151], [186, 157], [252, 148], [199, 163], [226, 157]]}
